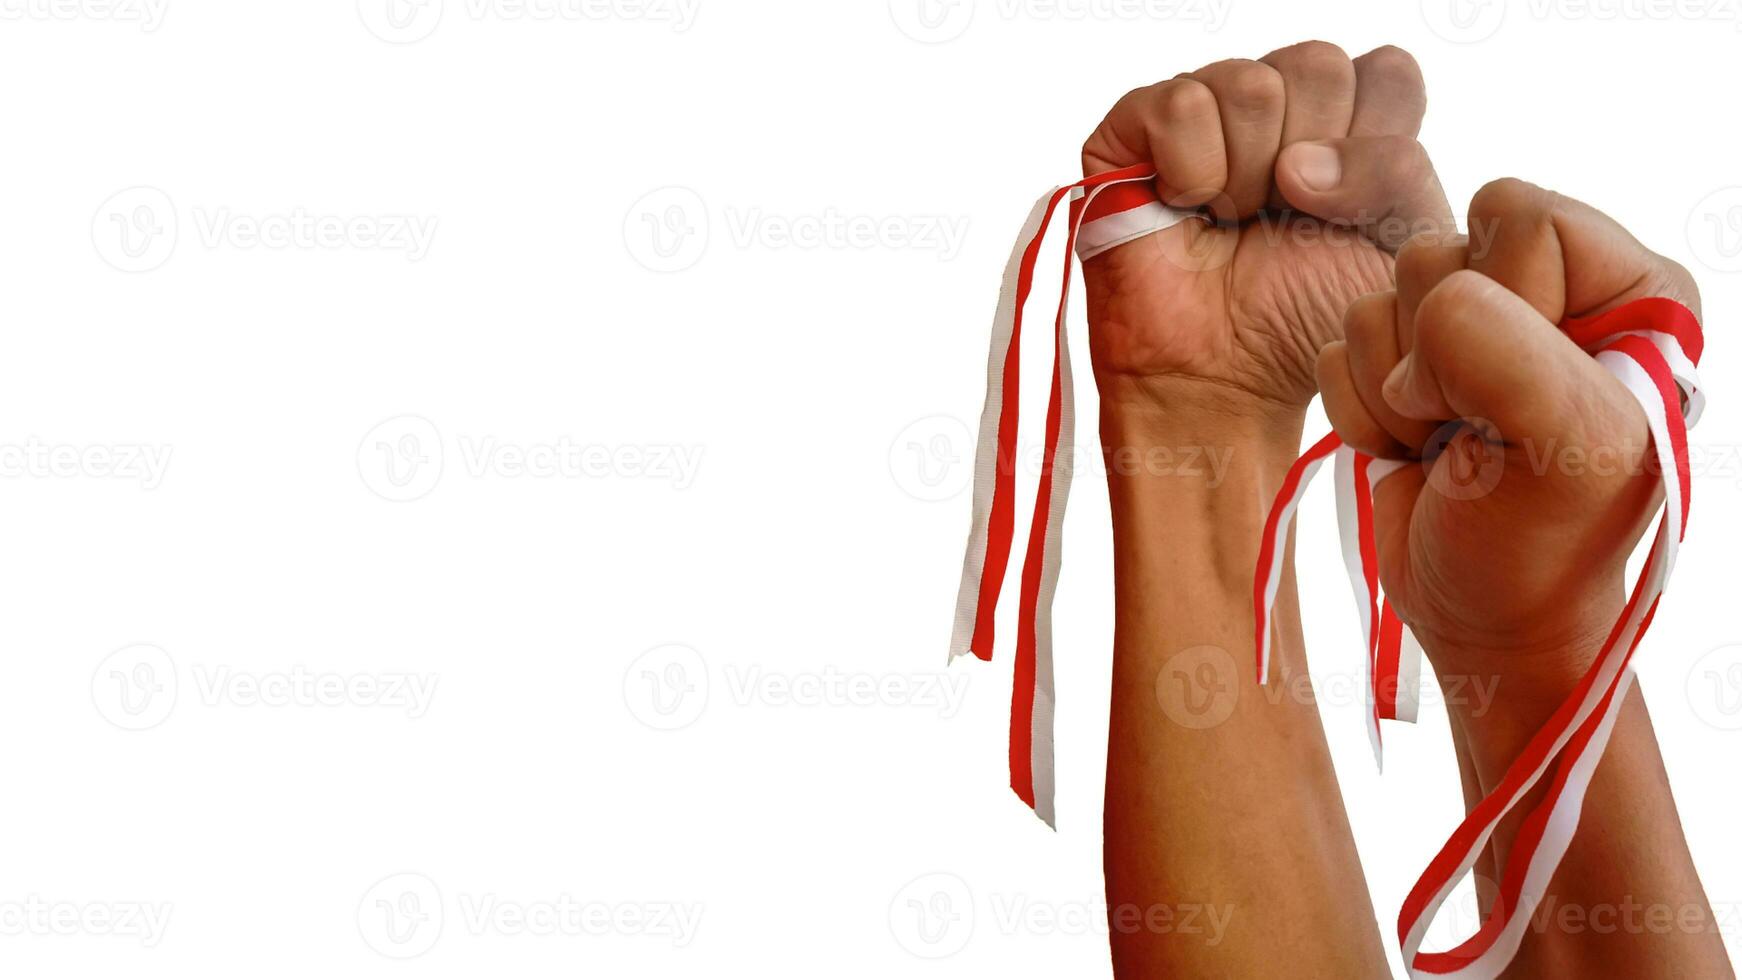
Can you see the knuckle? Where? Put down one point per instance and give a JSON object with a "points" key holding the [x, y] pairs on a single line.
{"points": [[1135, 96], [1677, 275], [1314, 60], [1675, 271], [1390, 64], [1099, 146], [1130, 105], [1431, 255], [1404, 160], [1435, 316], [1367, 316], [1512, 201], [1248, 84], [1412, 257], [1184, 98], [1678, 284], [1420, 257], [1407, 153]]}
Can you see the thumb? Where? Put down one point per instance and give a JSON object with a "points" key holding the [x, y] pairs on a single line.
{"points": [[1483, 352], [1383, 185]]}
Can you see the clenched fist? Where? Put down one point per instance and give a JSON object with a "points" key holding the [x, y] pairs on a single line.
{"points": [[1309, 163], [1513, 536]]}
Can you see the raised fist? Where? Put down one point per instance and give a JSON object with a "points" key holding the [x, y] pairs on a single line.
{"points": [[1309, 162], [1539, 472]]}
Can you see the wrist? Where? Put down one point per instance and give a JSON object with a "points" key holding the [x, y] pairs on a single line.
{"points": [[1504, 690], [1192, 485], [1217, 466], [1548, 658], [1142, 418], [1174, 401]]}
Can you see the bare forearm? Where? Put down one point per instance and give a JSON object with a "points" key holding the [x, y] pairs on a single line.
{"points": [[1626, 900], [1220, 794]]}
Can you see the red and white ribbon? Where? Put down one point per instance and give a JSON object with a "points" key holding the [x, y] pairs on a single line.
{"points": [[1106, 210], [1653, 347], [1393, 656]]}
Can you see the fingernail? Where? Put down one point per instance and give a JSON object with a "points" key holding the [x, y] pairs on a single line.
{"points": [[1318, 166]]}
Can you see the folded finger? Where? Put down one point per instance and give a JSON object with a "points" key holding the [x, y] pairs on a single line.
{"points": [[1370, 330], [1318, 82], [1421, 264], [1175, 126], [1349, 415], [1383, 185], [1251, 102], [1390, 94]]}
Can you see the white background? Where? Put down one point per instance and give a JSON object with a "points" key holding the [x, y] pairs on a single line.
{"points": [[666, 528]]}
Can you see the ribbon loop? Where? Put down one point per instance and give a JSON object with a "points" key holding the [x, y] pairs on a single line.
{"points": [[1106, 210], [1653, 347]]}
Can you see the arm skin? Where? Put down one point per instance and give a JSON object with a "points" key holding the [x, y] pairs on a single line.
{"points": [[1626, 900], [1244, 815], [1516, 588]]}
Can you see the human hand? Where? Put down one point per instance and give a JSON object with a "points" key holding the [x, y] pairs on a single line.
{"points": [[1506, 551], [1236, 312]]}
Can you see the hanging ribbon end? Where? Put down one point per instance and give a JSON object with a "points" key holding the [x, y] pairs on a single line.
{"points": [[958, 653], [1047, 816], [1042, 808], [1407, 704]]}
